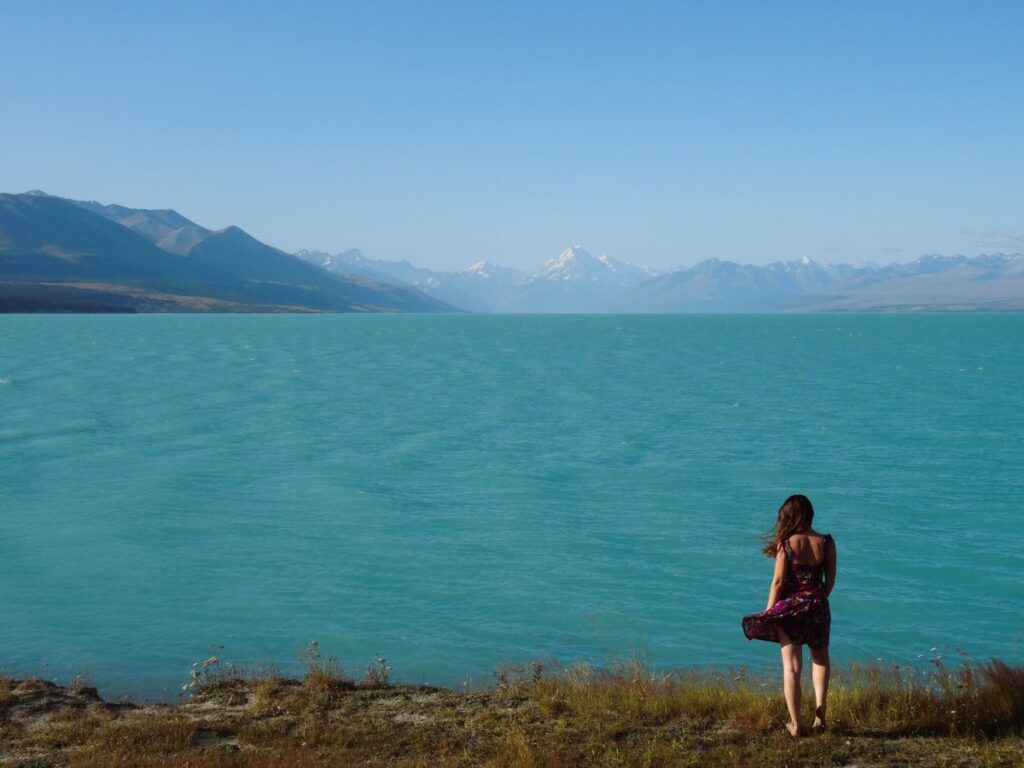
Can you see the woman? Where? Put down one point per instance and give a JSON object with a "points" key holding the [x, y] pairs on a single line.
{"points": [[797, 612]]}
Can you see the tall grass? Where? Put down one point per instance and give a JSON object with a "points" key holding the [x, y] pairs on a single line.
{"points": [[971, 699]]}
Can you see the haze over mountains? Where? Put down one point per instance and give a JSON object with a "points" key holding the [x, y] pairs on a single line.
{"points": [[575, 281], [66, 255]]}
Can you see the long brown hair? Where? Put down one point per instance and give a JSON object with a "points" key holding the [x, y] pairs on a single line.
{"points": [[795, 514]]}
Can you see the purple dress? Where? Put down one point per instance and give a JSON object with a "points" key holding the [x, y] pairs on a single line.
{"points": [[802, 609]]}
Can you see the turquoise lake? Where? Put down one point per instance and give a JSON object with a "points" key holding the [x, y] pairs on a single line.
{"points": [[455, 492]]}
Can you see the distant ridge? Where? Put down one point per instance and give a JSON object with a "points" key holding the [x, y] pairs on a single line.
{"points": [[166, 229], [481, 288], [575, 281], [63, 255], [67, 255]]}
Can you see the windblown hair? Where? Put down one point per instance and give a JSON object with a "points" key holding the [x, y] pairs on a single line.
{"points": [[795, 514]]}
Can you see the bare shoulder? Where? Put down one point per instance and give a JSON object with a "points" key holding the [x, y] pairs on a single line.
{"points": [[824, 539], [811, 547]]}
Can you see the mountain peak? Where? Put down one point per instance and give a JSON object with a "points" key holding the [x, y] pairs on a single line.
{"points": [[482, 268], [575, 265], [573, 252], [571, 264], [308, 254], [488, 270]]}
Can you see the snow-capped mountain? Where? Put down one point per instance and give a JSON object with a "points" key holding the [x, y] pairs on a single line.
{"points": [[575, 265], [486, 270], [575, 281]]}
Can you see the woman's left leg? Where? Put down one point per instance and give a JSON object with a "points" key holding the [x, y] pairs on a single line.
{"points": [[792, 663]]}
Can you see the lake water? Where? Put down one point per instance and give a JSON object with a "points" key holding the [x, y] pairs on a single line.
{"points": [[452, 492]]}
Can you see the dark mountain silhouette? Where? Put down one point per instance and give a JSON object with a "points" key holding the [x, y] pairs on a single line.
{"points": [[47, 237], [166, 228], [57, 254], [279, 277]]}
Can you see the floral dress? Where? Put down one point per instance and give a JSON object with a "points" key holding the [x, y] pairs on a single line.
{"points": [[802, 609]]}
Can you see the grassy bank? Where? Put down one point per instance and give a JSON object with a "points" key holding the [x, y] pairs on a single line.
{"points": [[971, 714]]}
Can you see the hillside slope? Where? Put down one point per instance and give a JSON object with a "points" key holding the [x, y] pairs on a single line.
{"points": [[59, 255]]}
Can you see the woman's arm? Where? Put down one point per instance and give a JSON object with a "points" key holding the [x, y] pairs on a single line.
{"points": [[778, 578], [830, 570]]}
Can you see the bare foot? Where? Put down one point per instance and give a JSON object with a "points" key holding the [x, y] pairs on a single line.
{"points": [[819, 720], [794, 730]]}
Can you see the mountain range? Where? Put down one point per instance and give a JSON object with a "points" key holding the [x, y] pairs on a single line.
{"points": [[575, 281], [67, 255]]}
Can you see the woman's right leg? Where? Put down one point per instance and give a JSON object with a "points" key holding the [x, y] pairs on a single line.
{"points": [[792, 661], [820, 673]]}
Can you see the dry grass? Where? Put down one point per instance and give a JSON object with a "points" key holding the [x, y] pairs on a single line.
{"points": [[977, 700], [970, 700], [623, 715]]}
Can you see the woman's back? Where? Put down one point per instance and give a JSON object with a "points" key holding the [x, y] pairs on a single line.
{"points": [[809, 548], [812, 557]]}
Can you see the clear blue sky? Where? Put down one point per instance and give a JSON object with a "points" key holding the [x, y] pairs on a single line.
{"points": [[660, 133]]}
